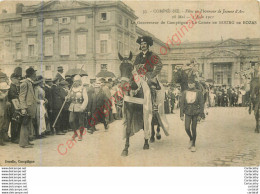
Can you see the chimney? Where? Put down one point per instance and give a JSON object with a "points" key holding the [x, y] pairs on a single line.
{"points": [[4, 11], [19, 8]]}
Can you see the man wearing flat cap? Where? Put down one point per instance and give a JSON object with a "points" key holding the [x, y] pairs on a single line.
{"points": [[148, 65], [59, 75], [28, 107]]}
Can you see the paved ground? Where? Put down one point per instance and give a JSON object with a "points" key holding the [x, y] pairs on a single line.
{"points": [[225, 138]]}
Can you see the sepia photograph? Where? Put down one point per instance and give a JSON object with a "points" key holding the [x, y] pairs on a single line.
{"points": [[129, 83]]}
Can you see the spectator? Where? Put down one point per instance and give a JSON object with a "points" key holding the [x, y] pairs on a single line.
{"points": [[3, 110], [28, 107]]}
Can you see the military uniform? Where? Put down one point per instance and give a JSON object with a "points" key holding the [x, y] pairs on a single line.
{"points": [[78, 102]]}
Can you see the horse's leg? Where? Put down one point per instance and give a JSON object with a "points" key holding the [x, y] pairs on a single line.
{"points": [[128, 129], [158, 135], [153, 132], [146, 144], [257, 122]]}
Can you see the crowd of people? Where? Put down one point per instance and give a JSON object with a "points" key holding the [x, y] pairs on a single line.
{"points": [[228, 97], [216, 96], [33, 107]]}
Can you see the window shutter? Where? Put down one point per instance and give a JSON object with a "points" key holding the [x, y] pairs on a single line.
{"points": [[109, 46], [35, 49], [97, 46], [48, 46], [82, 44], [26, 50], [34, 22], [108, 15], [27, 23], [60, 20], [65, 45], [68, 20]]}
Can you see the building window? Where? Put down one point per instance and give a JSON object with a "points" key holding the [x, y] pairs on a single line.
{"points": [[30, 22], [64, 20], [82, 44], [103, 67], [18, 54], [47, 68], [222, 73], [104, 16], [31, 50], [103, 46], [48, 22], [48, 46], [81, 19], [126, 23], [64, 45]]}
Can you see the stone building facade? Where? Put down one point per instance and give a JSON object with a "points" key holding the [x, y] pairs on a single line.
{"points": [[71, 34]]}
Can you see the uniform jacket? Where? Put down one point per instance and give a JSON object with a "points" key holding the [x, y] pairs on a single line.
{"points": [[79, 99], [192, 103]]}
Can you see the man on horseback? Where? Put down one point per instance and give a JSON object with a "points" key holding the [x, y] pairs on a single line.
{"points": [[144, 64]]}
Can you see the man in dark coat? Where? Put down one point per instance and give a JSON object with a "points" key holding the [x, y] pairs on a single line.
{"points": [[91, 107], [57, 100], [59, 75], [13, 93], [192, 105], [148, 64], [49, 108]]}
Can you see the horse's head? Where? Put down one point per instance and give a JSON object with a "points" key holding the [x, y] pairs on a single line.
{"points": [[126, 66], [126, 69]]}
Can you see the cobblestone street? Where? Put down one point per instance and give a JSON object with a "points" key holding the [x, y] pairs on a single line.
{"points": [[225, 138]]}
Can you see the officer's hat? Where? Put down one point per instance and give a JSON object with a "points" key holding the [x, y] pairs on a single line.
{"points": [[146, 39]]}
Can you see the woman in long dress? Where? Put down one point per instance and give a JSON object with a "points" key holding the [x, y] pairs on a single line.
{"points": [[40, 110]]}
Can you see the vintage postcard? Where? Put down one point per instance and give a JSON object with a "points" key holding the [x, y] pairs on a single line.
{"points": [[129, 83]]}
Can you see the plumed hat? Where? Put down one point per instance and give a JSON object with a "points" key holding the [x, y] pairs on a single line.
{"points": [[146, 39]]}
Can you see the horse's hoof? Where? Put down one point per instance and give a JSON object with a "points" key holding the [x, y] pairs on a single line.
{"points": [[146, 147], [152, 139], [124, 153], [158, 136]]}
